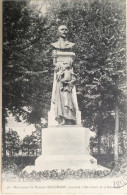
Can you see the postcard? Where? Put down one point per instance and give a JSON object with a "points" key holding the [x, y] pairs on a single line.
{"points": [[63, 97]]}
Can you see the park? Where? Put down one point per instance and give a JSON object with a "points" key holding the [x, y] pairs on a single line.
{"points": [[94, 89]]}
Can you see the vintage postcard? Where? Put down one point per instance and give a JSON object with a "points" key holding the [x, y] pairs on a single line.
{"points": [[64, 109]]}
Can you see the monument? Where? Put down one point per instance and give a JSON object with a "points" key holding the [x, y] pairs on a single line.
{"points": [[64, 106], [65, 143]]}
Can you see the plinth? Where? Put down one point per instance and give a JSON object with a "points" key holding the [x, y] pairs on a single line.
{"points": [[65, 147]]}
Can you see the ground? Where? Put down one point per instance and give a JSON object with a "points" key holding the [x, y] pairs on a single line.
{"points": [[12, 171]]}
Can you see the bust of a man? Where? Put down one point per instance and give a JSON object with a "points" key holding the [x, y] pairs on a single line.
{"points": [[62, 42]]}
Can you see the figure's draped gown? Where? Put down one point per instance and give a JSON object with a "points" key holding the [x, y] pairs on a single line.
{"points": [[63, 93]]}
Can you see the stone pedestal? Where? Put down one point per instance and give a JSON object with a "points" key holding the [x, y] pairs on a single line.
{"points": [[65, 140], [65, 147]]}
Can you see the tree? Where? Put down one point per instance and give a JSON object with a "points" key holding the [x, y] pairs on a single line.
{"points": [[97, 28], [31, 143], [12, 35], [24, 42], [12, 142], [22, 58]]}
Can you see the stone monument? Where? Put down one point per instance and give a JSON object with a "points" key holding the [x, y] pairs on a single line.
{"points": [[65, 143], [64, 106]]}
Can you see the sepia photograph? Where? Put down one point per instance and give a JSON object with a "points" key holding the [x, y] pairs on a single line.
{"points": [[64, 97]]}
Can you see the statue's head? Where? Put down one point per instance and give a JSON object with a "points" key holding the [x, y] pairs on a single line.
{"points": [[62, 31]]}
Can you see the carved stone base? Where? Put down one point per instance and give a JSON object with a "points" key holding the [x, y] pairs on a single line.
{"points": [[65, 147]]}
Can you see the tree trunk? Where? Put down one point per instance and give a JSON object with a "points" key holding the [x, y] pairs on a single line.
{"points": [[3, 133], [99, 131], [99, 143], [123, 143], [116, 138]]}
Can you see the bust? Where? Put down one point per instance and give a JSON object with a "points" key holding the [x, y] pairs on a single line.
{"points": [[62, 43]]}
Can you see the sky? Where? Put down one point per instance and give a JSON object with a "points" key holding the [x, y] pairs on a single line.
{"points": [[40, 6], [22, 128]]}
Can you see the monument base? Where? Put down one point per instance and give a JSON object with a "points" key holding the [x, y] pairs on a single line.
{"points": [[65, 147], [59, 162], [62, 162]]}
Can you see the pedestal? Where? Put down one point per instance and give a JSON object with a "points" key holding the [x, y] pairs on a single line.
{"points": [[65, 147]]}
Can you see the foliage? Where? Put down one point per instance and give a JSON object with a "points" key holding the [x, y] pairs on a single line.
{"points": [[120, 167], [98, 29], [12, 142], [24, 40], [99, 32], [31, 143], [9, 166], [63, 174]]}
